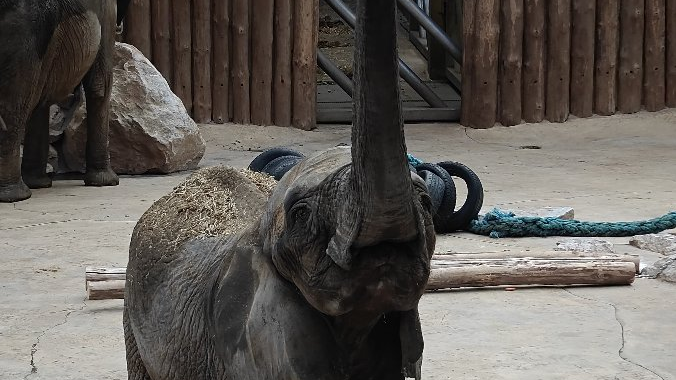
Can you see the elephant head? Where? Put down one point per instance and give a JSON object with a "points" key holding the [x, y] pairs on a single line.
{"points": [[352, 227]]}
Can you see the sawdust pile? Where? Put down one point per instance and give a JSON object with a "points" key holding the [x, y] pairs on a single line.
{"points": [[213, 201]]}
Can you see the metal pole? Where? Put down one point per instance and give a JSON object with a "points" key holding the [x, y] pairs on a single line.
{"points": [[404, 70], [334, 72], [432, 28]]}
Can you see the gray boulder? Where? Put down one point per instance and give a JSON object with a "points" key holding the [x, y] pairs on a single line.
{"points": [[150, 129], [664, 269]]}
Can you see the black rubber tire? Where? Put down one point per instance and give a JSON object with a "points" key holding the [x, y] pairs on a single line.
{"points": [[280, 165], [435, 188], [267, 156], [446, 199], [475, 197]]}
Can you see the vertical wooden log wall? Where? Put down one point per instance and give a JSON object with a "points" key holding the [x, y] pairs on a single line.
{"points": [[245, 61], [561, 57]]}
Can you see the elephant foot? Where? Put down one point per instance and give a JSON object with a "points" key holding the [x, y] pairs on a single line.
{"points": [[101, 177], [37, 181], [14, 193]]}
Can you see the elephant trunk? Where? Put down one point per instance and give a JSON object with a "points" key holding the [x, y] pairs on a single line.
{"points": [[381, 177]]}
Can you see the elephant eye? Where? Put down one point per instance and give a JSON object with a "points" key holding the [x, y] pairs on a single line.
{"points": [[300, 214]]}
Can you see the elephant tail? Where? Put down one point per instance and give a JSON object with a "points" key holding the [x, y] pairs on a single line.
{"points": [[3, 126]]}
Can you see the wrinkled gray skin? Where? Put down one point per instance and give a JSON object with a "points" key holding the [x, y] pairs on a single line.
{"points": [[325, 285], [47, 48]]}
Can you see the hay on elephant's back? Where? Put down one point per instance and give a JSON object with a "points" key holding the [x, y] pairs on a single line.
{"points": [[211, 202]]}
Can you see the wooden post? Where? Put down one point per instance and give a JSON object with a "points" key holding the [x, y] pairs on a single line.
{"points": [[283, 41], [486, 36], [557, 102], [220, 94], [630, 76], [671, 53], [582, 58], [161, 31], [511, 55], [605, 63], [182, 52], [654, 78], [468, 22], [534, 61], [240, 62], [201, 74], [306, 28], [137, 25], [261, 71]]}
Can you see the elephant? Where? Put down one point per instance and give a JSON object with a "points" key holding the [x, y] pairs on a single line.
{"points": [[323, 283], [48, 49]]}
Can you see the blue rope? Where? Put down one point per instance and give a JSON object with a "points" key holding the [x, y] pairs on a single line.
{"points": [[500, 224]]}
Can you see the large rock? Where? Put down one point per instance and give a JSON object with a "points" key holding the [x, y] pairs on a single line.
{"points": [[663, 243], [150, 130], [585, 245], [664, 269]]}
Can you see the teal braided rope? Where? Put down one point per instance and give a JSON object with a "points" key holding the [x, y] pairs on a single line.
{"points": [[500, 224]]}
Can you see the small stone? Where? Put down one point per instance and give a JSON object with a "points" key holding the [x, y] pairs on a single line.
{"points": [[585, 245], [547, 212], [663, 243]]}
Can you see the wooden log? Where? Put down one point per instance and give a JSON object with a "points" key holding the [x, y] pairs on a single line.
{"points": [[261, 71], [283, 41], [137, 26], [534, 61], [583, 20], [104, 274], [467, 109], [220, 93], [182, 52], [484, 93], [557, 104], [161, 37], [306, 26], [105, 290], [201, 56], [630, 74], [241, 76], [670, 53], [605, 63], [511, 60], [499, 272], [563, 255], [654, 76]]}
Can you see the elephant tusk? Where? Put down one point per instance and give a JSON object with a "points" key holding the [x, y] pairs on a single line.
{"points": [[3, 126]]}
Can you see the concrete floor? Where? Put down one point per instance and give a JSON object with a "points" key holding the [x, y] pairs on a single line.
{"points": [[615, 168]]}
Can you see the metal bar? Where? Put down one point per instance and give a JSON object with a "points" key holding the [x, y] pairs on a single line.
{"points": [[432, 28], [404, 70], [334, 72], [419, 86]]}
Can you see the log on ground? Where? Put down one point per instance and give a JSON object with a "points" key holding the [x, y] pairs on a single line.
{"points": [[526, 271], [105, 290]]}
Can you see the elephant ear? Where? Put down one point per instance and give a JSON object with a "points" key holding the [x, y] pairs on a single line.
{"points": [[412, 343]]}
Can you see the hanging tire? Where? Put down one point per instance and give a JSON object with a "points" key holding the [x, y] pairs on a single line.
{"points": [[280, 165], [444, 199], [475, 197], [267, 156]]}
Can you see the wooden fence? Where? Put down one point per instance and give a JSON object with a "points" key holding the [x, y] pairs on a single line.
{"points": [[534, 60], [244, 61]]}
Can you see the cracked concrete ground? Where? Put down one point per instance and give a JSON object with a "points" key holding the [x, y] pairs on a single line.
{"points": [[608, 169]]}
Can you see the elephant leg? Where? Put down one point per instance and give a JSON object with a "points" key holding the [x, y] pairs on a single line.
{"points": [[136, 370], [12, 187], [97, 86], [36, 150]]}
